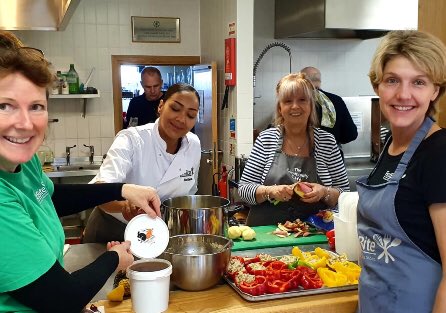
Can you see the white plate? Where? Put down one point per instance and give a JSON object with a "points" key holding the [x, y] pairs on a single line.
{"points": [[148, 236]]}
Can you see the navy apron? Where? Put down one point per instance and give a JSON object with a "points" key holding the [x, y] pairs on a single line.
{"points": [[396, 276], [286, 170]]}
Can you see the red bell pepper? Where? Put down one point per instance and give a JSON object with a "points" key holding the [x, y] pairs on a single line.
{"points": [[277, 286], [251, 260], [255, 288], [310, 279], [235, 266], [256, 268], [277, 265]]}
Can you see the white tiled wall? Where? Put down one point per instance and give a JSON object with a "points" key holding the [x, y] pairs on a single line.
{"points": [[219, 14], [344, 63], [97, 30]]}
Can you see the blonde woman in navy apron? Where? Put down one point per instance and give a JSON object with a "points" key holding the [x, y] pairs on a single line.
{"points": [[402, 203], [293, 151]]}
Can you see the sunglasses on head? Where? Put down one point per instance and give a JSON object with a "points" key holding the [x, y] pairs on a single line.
{"points": [[29, 52]]}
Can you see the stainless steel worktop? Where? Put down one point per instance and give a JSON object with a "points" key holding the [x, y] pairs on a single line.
{"points": [[77, 173]]}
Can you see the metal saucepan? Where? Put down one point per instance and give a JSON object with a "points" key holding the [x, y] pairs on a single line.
{"points": [[197, 214]]}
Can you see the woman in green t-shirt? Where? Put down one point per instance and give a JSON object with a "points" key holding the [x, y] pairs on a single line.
{"points": [[32, 277]]}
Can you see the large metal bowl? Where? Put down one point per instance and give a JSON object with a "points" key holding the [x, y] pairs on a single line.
{"points": [[198, 260]]}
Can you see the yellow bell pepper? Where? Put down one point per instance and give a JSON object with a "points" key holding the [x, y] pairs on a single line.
{"points": [[321, 253], [317, 262], [349, 269], [330, 278], [297, 252]]}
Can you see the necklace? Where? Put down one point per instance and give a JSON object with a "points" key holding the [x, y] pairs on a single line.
{"points": [[296, 147]]}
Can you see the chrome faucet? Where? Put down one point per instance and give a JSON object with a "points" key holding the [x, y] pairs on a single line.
{"points": [[91, 157], [68, 153]]}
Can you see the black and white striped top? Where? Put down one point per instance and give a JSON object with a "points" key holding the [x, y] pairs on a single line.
{"points": [[329, 164]]}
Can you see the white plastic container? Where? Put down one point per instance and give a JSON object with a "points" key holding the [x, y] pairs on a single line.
{"points": [[345, 225], [149, 285], [346, 237]]}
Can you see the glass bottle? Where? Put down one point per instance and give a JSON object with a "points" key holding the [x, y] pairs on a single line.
{"points": [[59, 81], [73, 80], [65, 88]]}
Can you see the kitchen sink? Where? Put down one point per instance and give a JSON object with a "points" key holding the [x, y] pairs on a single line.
{"points": [[76, 167]]}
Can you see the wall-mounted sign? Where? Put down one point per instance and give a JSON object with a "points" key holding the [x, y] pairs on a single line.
{"points": [[155, 29]]}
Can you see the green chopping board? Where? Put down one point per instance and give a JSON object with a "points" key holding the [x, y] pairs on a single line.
{"points": [[265, 239]]}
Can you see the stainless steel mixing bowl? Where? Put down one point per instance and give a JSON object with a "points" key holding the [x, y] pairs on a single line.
{"points": [[198, 260]]}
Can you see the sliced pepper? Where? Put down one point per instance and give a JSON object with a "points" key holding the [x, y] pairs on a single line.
{"points": [[292, 277], [299, 262], [297, 252], [255, 288], [316, 262], [310, 279], [332, 279], [277, 286], [321, 253], [349, 269], [311, 282], [257, 268], [251, 260], [277, 265]]}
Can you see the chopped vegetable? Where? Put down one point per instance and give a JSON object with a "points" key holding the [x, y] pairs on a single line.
{"points": [[234, 232], [248, 234], [116, 294]]}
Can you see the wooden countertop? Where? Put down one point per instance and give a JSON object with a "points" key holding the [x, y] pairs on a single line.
{"points": [[223, 299]]}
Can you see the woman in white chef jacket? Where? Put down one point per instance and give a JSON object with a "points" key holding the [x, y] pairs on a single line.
{"points": [[164, 155]]}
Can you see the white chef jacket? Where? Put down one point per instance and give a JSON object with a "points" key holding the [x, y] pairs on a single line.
{"points": [[138, 156]]}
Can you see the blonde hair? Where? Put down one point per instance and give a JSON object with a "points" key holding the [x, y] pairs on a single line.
{"points": [[423, 50], [289, 86]]}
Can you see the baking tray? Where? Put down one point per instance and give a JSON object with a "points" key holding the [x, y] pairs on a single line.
{"points": [[289, 294]]}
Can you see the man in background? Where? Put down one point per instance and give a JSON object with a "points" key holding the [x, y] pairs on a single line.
{"points": [[143, 109], [332, 111]]}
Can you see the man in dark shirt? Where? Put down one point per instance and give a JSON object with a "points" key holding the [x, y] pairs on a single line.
{"points": [[143, 109], [344, 130]]}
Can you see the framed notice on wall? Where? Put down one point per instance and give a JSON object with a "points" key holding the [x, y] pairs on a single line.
{"points": [[155, 29]]}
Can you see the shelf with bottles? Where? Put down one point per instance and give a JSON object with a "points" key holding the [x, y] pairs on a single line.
{"points": [[83, 96], [76, 96]]}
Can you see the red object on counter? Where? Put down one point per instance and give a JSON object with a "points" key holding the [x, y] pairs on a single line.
{"points": [[223, 183], [331, 239]]}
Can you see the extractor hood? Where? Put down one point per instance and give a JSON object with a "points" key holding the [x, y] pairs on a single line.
{"points": [[324, 19], [36, 14]]}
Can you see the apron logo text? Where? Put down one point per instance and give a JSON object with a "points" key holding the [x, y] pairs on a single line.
{"points": [[296, 174], [385, 242]]}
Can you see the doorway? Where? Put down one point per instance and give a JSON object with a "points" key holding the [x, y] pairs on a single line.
{"points": [[204, 79], [139, 60]]}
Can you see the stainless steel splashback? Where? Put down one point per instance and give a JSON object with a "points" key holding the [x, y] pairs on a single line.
{"points": [[360, 109]]}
